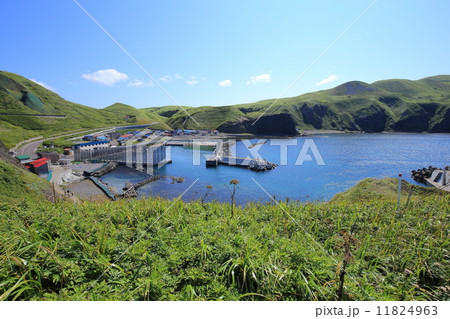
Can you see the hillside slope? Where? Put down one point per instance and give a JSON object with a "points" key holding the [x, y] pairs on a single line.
{"points": [[389, 105], [20, 96], [203, 251], [385, 189], [17, 185], [136, 116]]}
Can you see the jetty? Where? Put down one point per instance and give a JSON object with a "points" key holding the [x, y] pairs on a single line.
{"points": [[130, 190], [440, 178], [433, 176], [99, 172], [222, 155], [103, 187]]}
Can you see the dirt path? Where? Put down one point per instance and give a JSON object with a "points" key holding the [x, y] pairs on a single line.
{"points": [[86, 190]]}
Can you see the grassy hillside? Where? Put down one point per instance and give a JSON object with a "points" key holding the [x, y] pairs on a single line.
{"points": [[137, 116], [125, 250], [395, 105], [18, 185], [392, 105], [19, 95], [387, 188]]}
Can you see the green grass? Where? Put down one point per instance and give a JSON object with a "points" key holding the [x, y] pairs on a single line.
{"points": [[392, 105], [19, 95], [157, 249], [350, 106], [17, 185], [386, 188], [137, 116]]}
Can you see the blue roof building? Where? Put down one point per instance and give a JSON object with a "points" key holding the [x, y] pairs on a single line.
{"points": [[92, 145]]}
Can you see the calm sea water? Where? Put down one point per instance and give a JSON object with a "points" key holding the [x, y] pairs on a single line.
{"points": [[348, 159]]}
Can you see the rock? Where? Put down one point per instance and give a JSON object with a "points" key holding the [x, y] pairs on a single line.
{"points": [[281, 124], [372, 118], [313, 115]]}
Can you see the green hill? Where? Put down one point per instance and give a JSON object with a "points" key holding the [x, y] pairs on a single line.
{"points": [[388, 105], [136, 116], [20, 96], [17, 185], [382, 189]]}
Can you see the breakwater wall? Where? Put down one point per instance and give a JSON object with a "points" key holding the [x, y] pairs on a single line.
{"points": [[223, 155], [98, 172], [103, 187], [422, 173]]}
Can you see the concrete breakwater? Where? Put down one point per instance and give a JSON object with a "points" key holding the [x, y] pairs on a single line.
{"points": [[222, 155], [98, 172], [130, 190], [422, 173], [103, 187], [433, 176]]}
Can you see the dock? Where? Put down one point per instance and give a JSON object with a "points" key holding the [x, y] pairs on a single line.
{"points": [[99, 172], [222, 155], [218, 153], [192, 144], [103, 187], [439, 179]]}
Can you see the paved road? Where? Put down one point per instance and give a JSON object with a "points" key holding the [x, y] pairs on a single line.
{"points": [[31, 148]]}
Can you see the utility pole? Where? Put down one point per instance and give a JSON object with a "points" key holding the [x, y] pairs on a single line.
{"points": [[54, 193], [443, 177], [399, 191]]}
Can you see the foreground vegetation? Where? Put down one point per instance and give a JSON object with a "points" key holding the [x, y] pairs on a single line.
{"points": [[157, 249]]}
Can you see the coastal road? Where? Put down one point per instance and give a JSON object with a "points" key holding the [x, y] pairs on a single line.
{"points": [[31, 148]]}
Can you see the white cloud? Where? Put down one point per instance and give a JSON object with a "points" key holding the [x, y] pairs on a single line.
{"points": [[178, 76], [107, 77], [138, 83], [225, 83], [192, 81], [329, 79], [260, 78], [165, 78], [48, 87]]}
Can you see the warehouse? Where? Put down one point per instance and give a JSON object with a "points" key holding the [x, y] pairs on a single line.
{"points": [[92, 146], [39, 167]]}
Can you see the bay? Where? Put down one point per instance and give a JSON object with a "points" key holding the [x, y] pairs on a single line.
{"points": [[348, 158]]}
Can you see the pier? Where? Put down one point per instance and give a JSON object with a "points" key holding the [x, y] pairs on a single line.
{"points": [[222, 155], [130, 190], [103, 187], [433, 176], [99, 172], [439, 179]]}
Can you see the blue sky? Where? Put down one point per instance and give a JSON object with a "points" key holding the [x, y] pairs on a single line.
{"points": [[218, 53]]}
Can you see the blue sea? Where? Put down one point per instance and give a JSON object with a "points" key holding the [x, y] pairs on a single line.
{"points": [[347, 159]]}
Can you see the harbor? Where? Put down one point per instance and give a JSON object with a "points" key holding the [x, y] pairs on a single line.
{"points": [[141, 148], [217, 160]]}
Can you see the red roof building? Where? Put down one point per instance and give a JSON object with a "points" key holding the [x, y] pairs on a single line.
{"points": [[39, 167]]}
